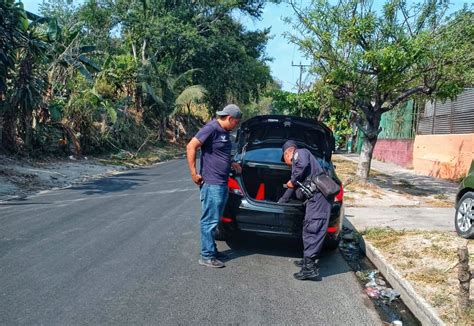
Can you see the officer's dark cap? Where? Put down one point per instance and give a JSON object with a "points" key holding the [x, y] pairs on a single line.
{"points": [[286, 145]]}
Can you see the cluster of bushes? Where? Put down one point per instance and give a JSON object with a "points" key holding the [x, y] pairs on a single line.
{"points": [[109, 75]]}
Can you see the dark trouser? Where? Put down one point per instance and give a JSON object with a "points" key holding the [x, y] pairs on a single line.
{"points": [[315, 225]]}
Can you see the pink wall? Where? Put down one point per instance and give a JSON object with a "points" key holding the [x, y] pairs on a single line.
{"points": [[443, 156], [398, 151]]}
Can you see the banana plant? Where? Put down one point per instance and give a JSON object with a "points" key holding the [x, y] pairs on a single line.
{"points": [[166, 94], [13, 27], [190, 95], [26, 73], [69, 55]]}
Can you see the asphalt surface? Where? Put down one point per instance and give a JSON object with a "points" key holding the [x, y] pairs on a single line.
{"points": [[124, 250]]}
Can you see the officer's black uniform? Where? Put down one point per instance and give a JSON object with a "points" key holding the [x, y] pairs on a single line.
{"points": [[317, 213]]}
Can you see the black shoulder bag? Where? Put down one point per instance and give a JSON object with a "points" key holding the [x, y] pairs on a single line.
{"points": [[322, 183], [326, 185]]}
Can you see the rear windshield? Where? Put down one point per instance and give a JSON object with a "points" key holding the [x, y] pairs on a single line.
{"points": [[311, 137], [272, 155], [264, 155], [267, 155]]}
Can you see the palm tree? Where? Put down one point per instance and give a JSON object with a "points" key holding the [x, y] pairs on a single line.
{"points": [[191, 95], [69, 55], [27, 43], [30, 81], [170, 94], [13, 27]]}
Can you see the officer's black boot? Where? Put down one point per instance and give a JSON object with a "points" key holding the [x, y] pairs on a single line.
{"points": [[309, 271], [298, 263]]}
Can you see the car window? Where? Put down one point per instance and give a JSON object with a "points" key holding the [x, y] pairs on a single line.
{"points": [[273, 155], [264, 155]]}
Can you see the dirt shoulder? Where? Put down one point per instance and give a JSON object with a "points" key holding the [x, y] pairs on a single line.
{"points": [[428, 260], [20, 177], [425, 258]]}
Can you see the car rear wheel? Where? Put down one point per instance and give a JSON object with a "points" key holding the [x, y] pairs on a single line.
{"points": [[464, 220]]}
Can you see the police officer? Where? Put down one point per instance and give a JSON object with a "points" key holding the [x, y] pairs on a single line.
{"points": [[318, 208]]}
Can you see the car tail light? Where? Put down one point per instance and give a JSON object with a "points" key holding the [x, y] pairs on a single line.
{"points": [[234, 186], [332, 229], [226, 219], [340, 195]]}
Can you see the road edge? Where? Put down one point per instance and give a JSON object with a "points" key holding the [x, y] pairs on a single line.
{"points": [[73, 183], [422, 310]]}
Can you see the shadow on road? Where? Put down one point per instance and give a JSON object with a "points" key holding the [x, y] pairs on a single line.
{"points": [[331, 262], [244, 245], [138, 174], [407, 183], [119, 183], [21, 204], [105, 186]]}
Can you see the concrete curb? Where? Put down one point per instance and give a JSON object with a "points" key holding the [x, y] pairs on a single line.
{"points": [[417, 305]]}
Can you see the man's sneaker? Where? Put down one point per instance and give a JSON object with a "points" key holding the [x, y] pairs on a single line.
{"points": [[214, 263]]}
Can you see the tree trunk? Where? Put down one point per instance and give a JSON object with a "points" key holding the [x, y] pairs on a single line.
{"points": [[365, 158], [163, 128], [143, 51], [464, 276], [370, 134], [9, 131], [134, 51], [189, 118], [27, 125], [138, 98]]}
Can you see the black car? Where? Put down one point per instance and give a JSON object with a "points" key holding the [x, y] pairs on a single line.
{"points": [[253, 195]]}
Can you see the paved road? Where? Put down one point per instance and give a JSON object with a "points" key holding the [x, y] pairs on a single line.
{"points": [[124, 250]]}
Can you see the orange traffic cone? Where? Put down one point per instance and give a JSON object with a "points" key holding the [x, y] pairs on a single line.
{"points": [[260, 192]]}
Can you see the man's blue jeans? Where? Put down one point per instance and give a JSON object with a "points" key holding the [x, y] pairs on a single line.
{"points": [[213, 200]]}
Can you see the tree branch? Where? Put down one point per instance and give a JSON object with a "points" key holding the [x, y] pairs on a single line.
{"points": [[404, 96]]}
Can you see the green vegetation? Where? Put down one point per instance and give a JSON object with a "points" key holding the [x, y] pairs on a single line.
{"points": [[441, 196], [382, 237], [111, 75], [372, 61]]}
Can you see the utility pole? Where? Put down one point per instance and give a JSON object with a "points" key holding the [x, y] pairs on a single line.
{"points": [[300, 86]]}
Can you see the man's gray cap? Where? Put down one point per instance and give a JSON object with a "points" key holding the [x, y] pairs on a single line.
{"points": [[231, 110]]}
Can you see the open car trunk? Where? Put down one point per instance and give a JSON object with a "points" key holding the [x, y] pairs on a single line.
{"points": [[274, 130], [259, 151], [266, 181]]}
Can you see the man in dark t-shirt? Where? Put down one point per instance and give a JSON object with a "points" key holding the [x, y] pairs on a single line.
{"points": [[214, 141]]}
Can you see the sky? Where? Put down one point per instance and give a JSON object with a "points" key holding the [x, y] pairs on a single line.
{"points": [[279, 49]]}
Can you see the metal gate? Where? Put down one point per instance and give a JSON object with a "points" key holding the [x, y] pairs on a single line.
{"points": [[450, 117]]}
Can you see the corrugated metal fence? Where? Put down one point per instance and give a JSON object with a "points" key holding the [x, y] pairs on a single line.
{"points": [[450, 117]]}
